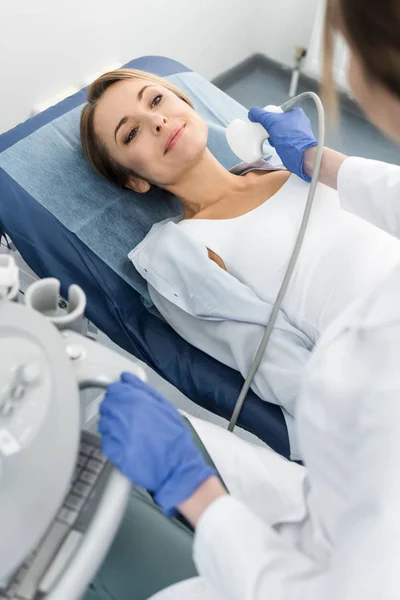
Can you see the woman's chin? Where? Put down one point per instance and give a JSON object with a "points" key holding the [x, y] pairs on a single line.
{"points": [[188, 154]]}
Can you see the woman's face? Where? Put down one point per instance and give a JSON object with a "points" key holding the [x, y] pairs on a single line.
{"points": [[147, 128], [380, 106]]}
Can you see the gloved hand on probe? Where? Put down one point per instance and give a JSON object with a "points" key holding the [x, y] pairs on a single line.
{"points": [[290, 134], [146, 438]]}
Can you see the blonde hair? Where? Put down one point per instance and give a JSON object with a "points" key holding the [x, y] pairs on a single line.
{"points": [[94, 149]]}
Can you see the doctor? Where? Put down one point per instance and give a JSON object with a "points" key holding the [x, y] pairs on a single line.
{"points": [[329, 530]]}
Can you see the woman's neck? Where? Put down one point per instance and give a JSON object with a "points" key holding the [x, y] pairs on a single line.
{"points": [[205, 184]]}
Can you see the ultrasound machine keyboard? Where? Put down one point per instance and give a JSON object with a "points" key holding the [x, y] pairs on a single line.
{"points": [[36, 577]]}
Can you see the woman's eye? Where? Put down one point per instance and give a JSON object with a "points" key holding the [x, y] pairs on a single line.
{"points": [[131, 135], [156, 100]]}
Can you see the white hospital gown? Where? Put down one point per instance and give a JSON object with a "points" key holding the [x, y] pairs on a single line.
{"points": [[224, 313], [344, 541]]}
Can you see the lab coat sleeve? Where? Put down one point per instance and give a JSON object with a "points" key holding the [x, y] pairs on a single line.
{"points": [[371, 190], [245, 559]]}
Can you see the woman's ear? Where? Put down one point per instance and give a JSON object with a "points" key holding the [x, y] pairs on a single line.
{"points": [[138, 185]]}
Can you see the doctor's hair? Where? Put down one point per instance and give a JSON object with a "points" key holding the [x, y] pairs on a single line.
{"points": [[94, 149], [371, 29]]}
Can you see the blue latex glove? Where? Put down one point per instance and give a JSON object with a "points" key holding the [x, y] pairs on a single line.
{"points": [[290, 134], [145, 437]]}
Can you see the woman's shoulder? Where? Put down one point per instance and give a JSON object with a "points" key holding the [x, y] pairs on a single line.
{"points": [[156, 232], [166, 244]]}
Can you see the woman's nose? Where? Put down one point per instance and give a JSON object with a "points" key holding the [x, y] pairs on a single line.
{"points": [[159, 123]]}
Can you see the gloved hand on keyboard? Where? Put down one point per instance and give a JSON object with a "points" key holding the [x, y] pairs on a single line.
{"points": [[145, 437], [290, 134]]}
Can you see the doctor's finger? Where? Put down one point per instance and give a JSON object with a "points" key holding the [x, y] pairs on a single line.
{"points": [[259, 115]]}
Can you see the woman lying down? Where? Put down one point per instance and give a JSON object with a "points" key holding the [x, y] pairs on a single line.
{"points": [[214, 274]]}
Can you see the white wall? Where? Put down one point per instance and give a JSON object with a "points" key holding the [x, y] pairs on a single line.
{"points": [[283, 25], [49, 45]]}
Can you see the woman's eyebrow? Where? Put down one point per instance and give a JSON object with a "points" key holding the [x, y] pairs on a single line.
{"points": [[140, 94], [122, 122], [125, 119]]}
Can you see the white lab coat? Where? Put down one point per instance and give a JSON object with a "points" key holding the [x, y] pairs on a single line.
{"points": [[330, 530]]}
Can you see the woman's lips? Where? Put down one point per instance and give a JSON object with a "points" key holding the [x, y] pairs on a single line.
{"points": [[173, 137]]}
